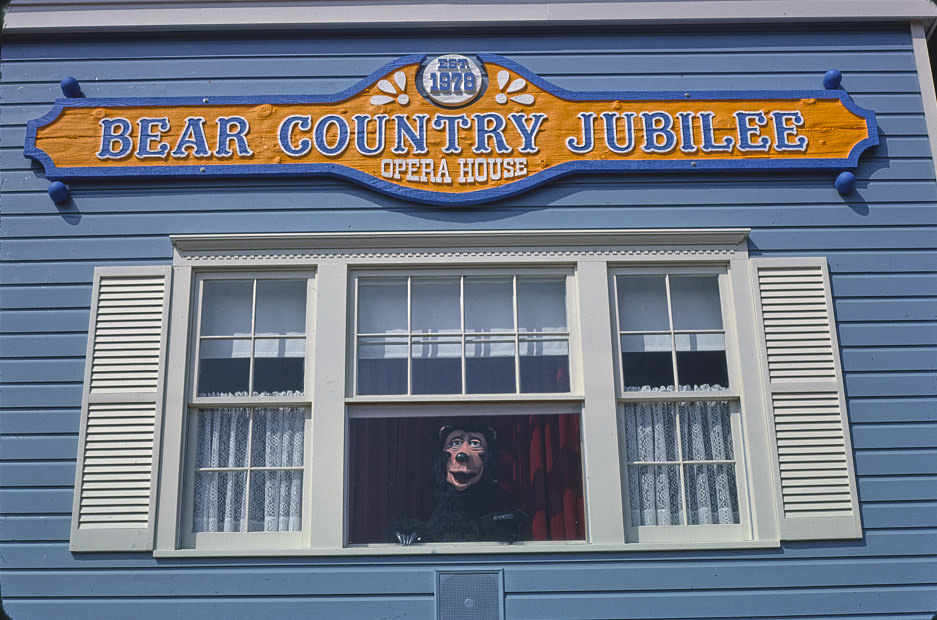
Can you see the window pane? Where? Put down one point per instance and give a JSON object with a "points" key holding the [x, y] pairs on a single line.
{"points": [[655, 495], [541, 305], [647, 360], [382, 306], [437, 366], [651, 432], [712, 495], [281, 307], [695, 301], [706, 432], [276, 501], [220, 501], [701, 360], [489, 366], [224, 367], [544, 365], [489, 305], [278, 437], [279, 365], [226, 307], [436, 306], [382, 365], [539, 472], [642, 304], [223, 435]]}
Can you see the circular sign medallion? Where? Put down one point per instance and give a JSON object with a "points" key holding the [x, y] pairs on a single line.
{"points": [[452, 80]]}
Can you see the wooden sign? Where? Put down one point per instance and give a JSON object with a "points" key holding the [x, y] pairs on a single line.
{"points": [[450, 129]]}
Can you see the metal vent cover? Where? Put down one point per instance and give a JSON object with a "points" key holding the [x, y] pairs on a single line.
{"points": [[469, 595]]}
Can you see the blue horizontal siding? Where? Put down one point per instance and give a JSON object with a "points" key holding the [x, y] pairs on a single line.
{"points": [[879, 244], [603, 577], [729, 603], [870, 410], [234, 608], [26, 474], [899, 488]]}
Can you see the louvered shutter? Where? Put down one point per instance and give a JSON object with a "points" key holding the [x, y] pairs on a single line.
{"points": [[814, 471], [115, 486]]}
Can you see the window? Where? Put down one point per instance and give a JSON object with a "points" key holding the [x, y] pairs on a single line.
{"points": [[438, 333], [458, 334], [679, 446], [248, 415], [650, 390]]}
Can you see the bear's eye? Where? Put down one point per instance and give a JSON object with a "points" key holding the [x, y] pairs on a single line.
{"points": [[476, 444], [455, 443]]}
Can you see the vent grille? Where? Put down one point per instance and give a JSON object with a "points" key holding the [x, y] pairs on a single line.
{"points": [[469, 596]]}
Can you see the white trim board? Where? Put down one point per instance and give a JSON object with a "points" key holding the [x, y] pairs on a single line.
{"points": [[33, 16]]}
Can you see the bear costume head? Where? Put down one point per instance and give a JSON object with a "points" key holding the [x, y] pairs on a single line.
{"points": [[468, 454], [470, 503]]}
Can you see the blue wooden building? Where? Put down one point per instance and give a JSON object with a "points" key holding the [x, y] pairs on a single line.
{"points": [[711, 363]]}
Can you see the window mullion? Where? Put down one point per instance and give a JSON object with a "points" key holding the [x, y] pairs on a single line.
{"points": [[463, 351], [409, 336], [678, 427], [517, 337], [673, 336], [253, 336], [248, 456]]}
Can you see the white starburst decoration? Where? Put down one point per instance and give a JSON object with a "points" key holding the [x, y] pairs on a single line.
{"points": [[393, 92], [508, 90]]}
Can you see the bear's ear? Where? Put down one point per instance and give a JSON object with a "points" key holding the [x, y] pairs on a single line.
{"points": [[444, 431]]}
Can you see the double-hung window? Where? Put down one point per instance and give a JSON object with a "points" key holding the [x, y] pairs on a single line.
{"points": [[284, 394], [433, 345], [248, 413], [680, 404]]}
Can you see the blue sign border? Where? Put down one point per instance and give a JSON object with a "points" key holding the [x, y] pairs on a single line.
{"points": [[447, 198]]}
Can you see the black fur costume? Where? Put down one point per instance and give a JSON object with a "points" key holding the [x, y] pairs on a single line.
{"points": [[475, 513]]}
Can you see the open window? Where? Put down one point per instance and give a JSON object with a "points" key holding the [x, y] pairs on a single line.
{"points": [[501, 335]]}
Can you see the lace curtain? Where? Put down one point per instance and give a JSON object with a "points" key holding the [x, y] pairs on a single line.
{"points": [[681, 463], [249, 469]]}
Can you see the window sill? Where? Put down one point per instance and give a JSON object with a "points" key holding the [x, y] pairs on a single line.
{"points": [[438, 549]]}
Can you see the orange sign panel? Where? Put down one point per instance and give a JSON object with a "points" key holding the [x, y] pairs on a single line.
{"points": [[451, 129]]}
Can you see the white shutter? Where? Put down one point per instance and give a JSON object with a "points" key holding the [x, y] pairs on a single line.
{"points": [[115, 483], [813, 460]]}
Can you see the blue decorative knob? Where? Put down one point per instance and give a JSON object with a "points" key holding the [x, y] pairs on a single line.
{"points": [[71, 88], [832, 79], [845, 183], [58, 192]]}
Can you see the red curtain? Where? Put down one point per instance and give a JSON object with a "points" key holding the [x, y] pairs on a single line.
{"points": [[390, 472]]}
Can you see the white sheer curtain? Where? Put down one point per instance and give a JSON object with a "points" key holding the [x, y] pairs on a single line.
{"points": [[665, 437], [249, 469]]}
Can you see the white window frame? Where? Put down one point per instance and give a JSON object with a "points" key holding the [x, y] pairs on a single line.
{"points": [[235, 540], [595, 393], [689, 533], [573, 329]]}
